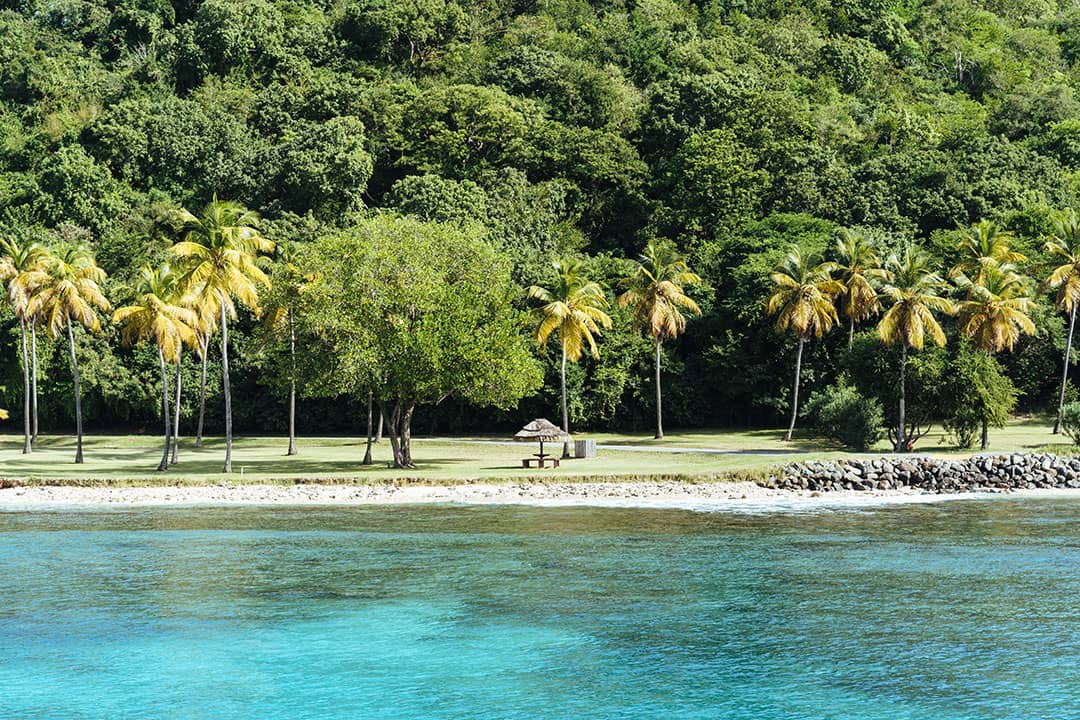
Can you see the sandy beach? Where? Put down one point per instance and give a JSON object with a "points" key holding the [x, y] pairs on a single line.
{"points": [[660, 494]]}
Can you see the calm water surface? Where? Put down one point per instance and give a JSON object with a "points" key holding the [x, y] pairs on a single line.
{"points": [[964, 609]]}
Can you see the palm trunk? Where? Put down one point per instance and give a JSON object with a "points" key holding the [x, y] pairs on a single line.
{"points": [[27, 438], [1065, 372], [292, 387], [176, 422], [795, 394], [565, 407], [382, 422], [659, 403], [225, 388], [851, 334], [901, 432], [370, 426], [164, 464], [78, 396], [204, 345], [33, 381]]}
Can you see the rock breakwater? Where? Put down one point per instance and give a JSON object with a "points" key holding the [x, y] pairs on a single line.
{"points": [[980, 473]]}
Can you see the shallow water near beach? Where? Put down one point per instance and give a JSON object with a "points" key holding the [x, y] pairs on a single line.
{"points": [[964, 609]]}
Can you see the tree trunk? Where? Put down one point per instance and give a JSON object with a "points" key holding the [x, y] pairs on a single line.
{"points": [[406, 434], [382, 421], [176, 422], [659, 401], [795, 394], [27, 436], [78, 396], [33, 380], [292, 386], [901, 431], [565, 407], [164, 464], [1065, 372], [985, 435], [370, 427], [225, 388], [392, 425], [851, 334], [204, 345]]}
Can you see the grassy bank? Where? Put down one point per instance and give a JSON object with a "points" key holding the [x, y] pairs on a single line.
{"points": [[130, 460]]}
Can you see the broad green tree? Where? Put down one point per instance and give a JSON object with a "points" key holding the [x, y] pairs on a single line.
{"points": [[218, 251], [66, 294], [914, 293], [573, 308], [1064, 245], [858, 267], [803, 301], [156, 314], [656, 296], [21, 263]]}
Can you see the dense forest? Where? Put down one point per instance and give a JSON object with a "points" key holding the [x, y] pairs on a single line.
{"points": [[734, 129]]}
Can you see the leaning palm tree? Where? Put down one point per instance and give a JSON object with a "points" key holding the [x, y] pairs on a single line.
{"points": [[21, 263], [656, 297], [66, 294], [859, 269], [995, 313], [574, 308], [985, 245], [155, 314], [218, 251], [803, 300], [914, 292], [1065, 278]]}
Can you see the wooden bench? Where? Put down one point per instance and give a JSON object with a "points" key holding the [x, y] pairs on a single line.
{"points": [[527, 462]]}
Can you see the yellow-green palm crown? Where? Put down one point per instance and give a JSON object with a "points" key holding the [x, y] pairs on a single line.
{"points": [[859, 269], [996, 309], [69, 290], [218, 254], [159, 313], [21, 265], [573, 308], [655, 292], [803, 295], [1064, 245], [985, 245], [914, 294]]}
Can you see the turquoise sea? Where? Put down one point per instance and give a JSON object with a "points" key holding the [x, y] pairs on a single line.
{"points": [[961, 609]]}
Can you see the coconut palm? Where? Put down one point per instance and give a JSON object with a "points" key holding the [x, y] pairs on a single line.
{"points": [[656, 297], [1064, 244], [995, 313], [985, 245], [279, 315], [573, 308], [218, 253], [21, 263], [859, 269], [914, 295], [206, 327], [803, 300], [66, 294], [156, 314]]}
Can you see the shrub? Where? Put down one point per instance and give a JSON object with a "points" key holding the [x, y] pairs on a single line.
{"points": [[1070, 421], [841, 413]]}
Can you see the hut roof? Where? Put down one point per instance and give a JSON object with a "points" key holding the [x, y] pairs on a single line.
{"points": [[540, 429]]}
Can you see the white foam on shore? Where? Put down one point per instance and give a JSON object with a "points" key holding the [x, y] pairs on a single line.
{"points": [[742, 497]]}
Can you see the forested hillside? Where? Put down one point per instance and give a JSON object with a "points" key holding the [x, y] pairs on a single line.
{"points": [[555, 127]]}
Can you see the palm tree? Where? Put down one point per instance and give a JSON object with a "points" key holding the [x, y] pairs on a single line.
{"points": [[803, 301], [66, 294], [20, 265], [156, 315], [279, 315], [1065, 278], [985, 246], [205, 329], [995, 312], [914, 293], [574, 308], [859, 269], [218, 251], [656, 297]]}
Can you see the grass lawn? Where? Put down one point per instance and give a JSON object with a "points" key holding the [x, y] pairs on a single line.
{"points": [[131, 459]]}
